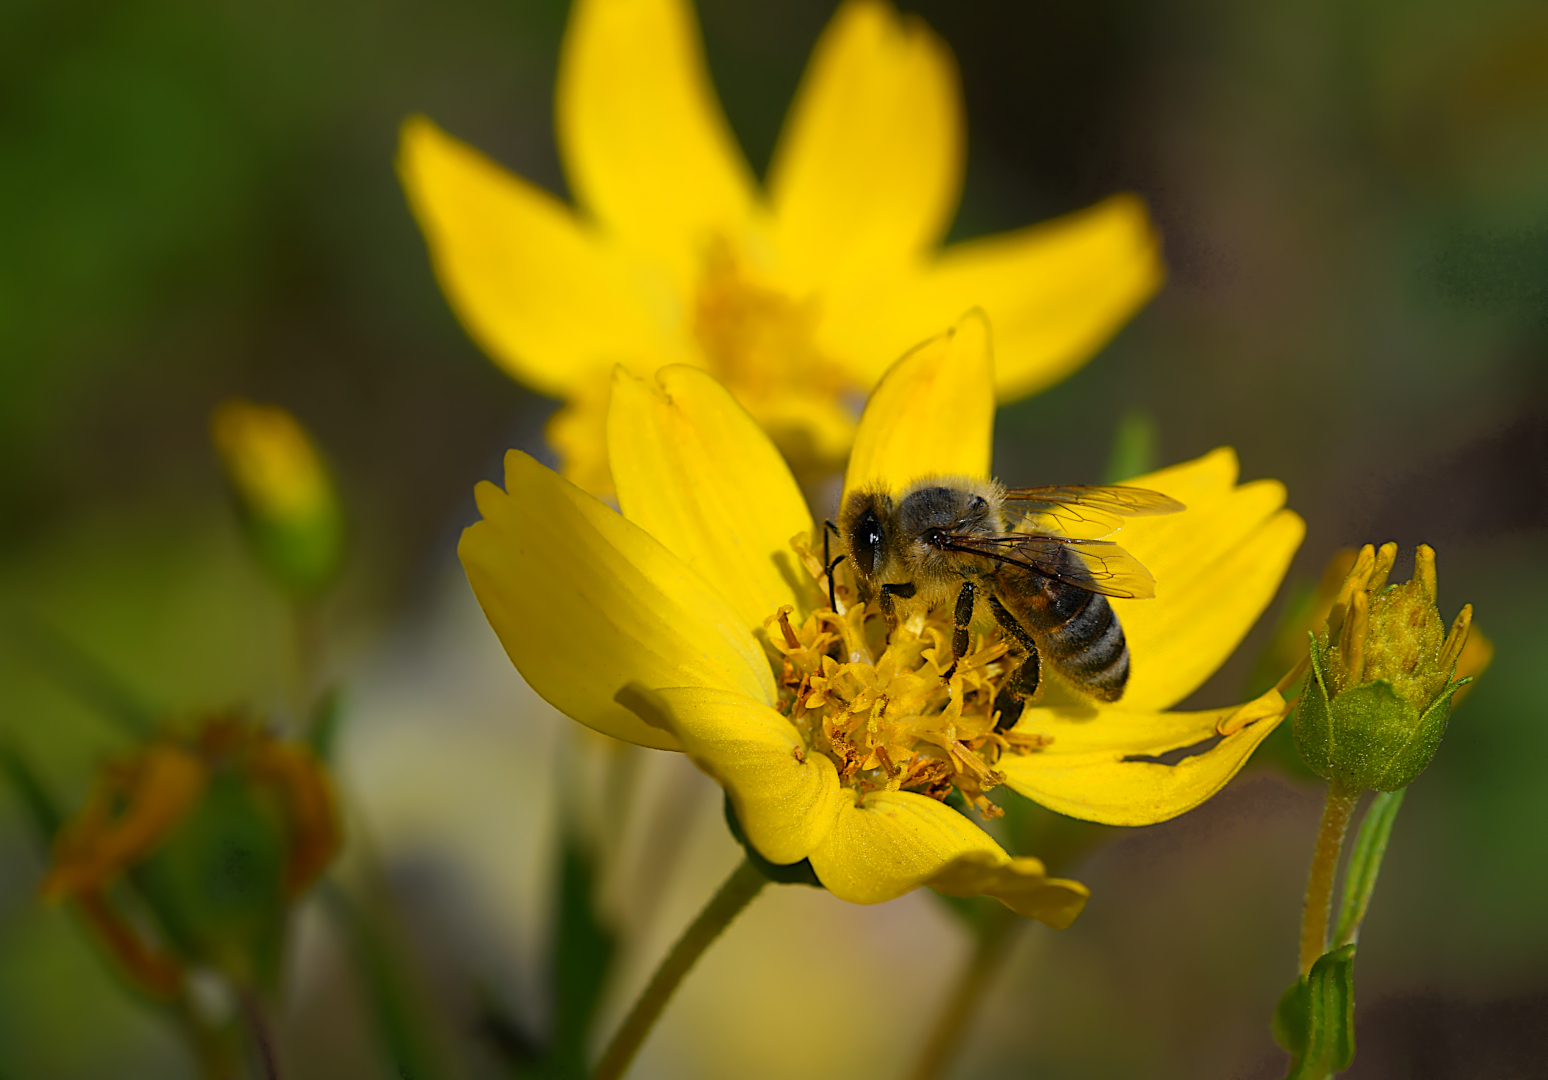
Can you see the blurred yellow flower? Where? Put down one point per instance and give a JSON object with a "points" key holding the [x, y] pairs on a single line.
{"points": [[794, 295], [692, 621]]}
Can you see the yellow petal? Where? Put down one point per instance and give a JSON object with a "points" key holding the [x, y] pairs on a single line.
{"points": [[1083, 772], [932, 414], [1055, 293], [1217, 565], [786, 798], [536, 288], [159, 973], [311, 808], [577, 432], [646, 148], [1021, 884], [892, 842], [696, 472], [587, 603], [869, 166]]}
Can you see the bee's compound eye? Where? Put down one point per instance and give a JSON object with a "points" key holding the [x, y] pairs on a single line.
{"points": [[865, 542]]}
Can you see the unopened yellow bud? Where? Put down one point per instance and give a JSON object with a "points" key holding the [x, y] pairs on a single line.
{"points": [[1382, 676], [284, 491]]}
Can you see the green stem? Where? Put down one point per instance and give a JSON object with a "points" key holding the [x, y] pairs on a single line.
{"points": [[306, 649], [1324, 866], [744, 883], [963, 1003], [259, 1032]]}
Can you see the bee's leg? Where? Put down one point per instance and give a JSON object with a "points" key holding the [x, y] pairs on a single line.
{"points": [[966, 601], [889, 610], [828, 564], [1023, 684]]}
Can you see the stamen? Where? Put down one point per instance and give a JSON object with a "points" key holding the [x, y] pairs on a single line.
{"points": [[876, 704], [784, 624]]}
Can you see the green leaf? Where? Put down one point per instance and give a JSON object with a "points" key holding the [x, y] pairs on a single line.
{"points": [[1314, 1020], [86, 677], [398, 1006], [35, 797], [1365, 864], [323, 732], [583, 958], [1134, 448]]}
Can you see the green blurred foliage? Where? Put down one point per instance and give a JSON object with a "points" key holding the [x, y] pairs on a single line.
{"points": [[198, 201]]}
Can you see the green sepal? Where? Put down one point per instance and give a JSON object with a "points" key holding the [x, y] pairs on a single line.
{"points": [[216, 882], [1366, 736], [797, 873], [1314, 1021], [1411, 757], [1313, 723], [302, 554], [1381, 740]]}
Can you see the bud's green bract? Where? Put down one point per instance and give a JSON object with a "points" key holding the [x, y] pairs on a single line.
{"points": [[283, 490], [1382, 677], [219, 830]]}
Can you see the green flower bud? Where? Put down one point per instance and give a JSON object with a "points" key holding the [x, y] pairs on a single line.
{"points": [[284, 493], [1383, 675], [219, 831]]}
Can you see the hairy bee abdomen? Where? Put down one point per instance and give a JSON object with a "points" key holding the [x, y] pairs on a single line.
{"points": [[1078, 631]]}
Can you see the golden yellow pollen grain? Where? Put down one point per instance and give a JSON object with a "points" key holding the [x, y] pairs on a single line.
{"points": [[894, 724]]}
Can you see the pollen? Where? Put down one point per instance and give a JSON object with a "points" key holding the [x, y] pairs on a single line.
{"points": [[877, 705]]}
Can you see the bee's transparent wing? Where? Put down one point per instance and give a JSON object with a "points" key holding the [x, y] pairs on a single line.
{"points": [[1080, 511], [1098, 566]]}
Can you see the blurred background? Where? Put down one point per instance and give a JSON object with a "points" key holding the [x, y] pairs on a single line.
{"points": [[197, 200]]}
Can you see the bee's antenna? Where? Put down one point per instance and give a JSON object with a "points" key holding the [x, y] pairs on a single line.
{"points": [[829, 564]]}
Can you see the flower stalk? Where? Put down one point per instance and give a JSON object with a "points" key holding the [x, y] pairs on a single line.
{"points": [[1336, 812], [988, 950], [744, 883]]}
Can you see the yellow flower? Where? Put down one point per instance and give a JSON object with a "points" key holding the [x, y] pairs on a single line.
{"points": [[793, 295], [691, 621]]}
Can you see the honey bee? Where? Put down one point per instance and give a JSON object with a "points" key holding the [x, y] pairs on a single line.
{"points": [[948, 539]]}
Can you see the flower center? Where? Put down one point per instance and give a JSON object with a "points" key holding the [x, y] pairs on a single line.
{"points": [[877, 705], [760, 342]]}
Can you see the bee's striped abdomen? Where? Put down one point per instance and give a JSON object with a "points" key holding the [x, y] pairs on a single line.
{"points": [[1088, 647], [1077, 630]]}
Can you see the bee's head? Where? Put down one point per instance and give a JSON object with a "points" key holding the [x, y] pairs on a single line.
{"points": [[863, 525]]}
